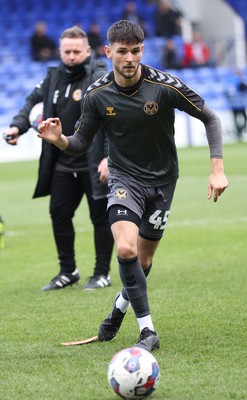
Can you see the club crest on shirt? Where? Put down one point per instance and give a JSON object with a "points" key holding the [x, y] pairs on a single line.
{"points": [[120, 194], [150, 107], [77, 95]]}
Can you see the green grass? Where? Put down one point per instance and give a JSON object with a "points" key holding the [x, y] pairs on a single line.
{"points": [[197, 293]]}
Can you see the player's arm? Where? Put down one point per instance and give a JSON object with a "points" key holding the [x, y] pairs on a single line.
{"points": [[217, 182], [76, 144], [195, 106]]}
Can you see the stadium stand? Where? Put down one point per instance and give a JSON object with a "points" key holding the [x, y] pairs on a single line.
{"points": [[240, 7]]}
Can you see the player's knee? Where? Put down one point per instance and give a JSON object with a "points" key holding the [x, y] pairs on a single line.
{"points": [[126, 251]]}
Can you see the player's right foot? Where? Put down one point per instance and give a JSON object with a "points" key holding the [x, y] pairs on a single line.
{"points": [[97, 282], [62, 280], [148, 340], [111, 324]]}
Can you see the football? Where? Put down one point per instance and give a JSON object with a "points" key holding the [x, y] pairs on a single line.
{"points": [[36, 115], [133, 373]]}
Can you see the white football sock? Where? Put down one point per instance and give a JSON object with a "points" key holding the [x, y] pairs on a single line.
{"points": [[145, 322], [122, 304]]}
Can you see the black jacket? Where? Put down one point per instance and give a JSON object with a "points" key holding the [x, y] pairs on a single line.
{"points": [[44, 92]]}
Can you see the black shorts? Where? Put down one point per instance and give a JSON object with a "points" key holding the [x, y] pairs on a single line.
{"points": [[150, 204]]}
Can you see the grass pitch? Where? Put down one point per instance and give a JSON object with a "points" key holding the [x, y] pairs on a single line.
{"points": [[197, 292]]}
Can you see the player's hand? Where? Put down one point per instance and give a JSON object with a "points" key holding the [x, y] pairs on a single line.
{"points": [[217, 184], [50, 130], [103, 170]]}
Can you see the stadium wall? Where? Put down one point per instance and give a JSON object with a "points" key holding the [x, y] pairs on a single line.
{"points": [[219, 25]]}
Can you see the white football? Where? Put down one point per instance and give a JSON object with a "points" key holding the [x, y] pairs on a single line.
{"points": [[133, 373], [36, 115]]}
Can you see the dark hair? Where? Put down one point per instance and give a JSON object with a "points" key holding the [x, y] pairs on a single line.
{"points": [[125, 31], [74, 33]]}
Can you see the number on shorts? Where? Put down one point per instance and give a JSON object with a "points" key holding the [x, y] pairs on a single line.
{"points": [[159, 222]]}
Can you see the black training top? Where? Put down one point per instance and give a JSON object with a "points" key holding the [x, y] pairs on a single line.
{"points": [[139, 122]]}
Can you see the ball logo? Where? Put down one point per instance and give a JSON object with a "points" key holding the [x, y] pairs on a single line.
{"points": [[150, 108], [77, 95], [121, 194]]}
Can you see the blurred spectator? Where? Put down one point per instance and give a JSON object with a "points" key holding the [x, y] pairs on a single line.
{"points": [[42, 46], [130, 13], [167, 21], [196, 53], [238, 101], [95, 41], [171, 58]]}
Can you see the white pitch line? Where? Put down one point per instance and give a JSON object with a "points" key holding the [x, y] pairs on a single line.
{"points": [[186, 222], [193, 179], [213, 221]]}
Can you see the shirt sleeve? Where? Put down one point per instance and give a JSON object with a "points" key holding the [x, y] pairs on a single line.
{"points": [[213, 131], [193, 104]]}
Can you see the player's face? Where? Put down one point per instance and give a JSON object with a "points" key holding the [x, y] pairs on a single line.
{"points": [[125, 59], [74, 51]]}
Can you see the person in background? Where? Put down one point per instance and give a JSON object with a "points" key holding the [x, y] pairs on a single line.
{"points": [[196, 52], [131, 13], [95, 40], [139, 120], [167, 21], [170, 57], [237, 95], [65, 178], [43, 47]]}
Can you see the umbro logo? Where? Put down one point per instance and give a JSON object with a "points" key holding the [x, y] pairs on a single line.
{"points": [[110, 111]]}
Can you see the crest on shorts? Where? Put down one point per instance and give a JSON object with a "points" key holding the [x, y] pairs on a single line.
{"points": [[150, 107], [77, 95], [120, 194]]}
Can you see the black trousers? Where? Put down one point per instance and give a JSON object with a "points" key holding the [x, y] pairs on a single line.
{"points": [[240, 118], [66, 194]]}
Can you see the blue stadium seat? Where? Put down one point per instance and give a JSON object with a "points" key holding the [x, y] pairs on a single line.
{"points": [[18, 73]]}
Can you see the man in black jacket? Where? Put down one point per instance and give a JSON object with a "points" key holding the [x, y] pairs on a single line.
{"points": [[68, 178]]}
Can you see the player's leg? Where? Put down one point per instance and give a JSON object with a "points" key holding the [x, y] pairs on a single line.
{"points": [[103, 241], [66, 194], [151, 230], [125, 235], [134, 281], [146, 250]]}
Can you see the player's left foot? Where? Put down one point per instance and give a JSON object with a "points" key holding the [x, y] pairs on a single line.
{"points": [[111, 324], [148, 340]]}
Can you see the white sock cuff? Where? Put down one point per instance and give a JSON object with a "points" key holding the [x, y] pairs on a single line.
{"points": [[122, 304], [145, 322]]}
